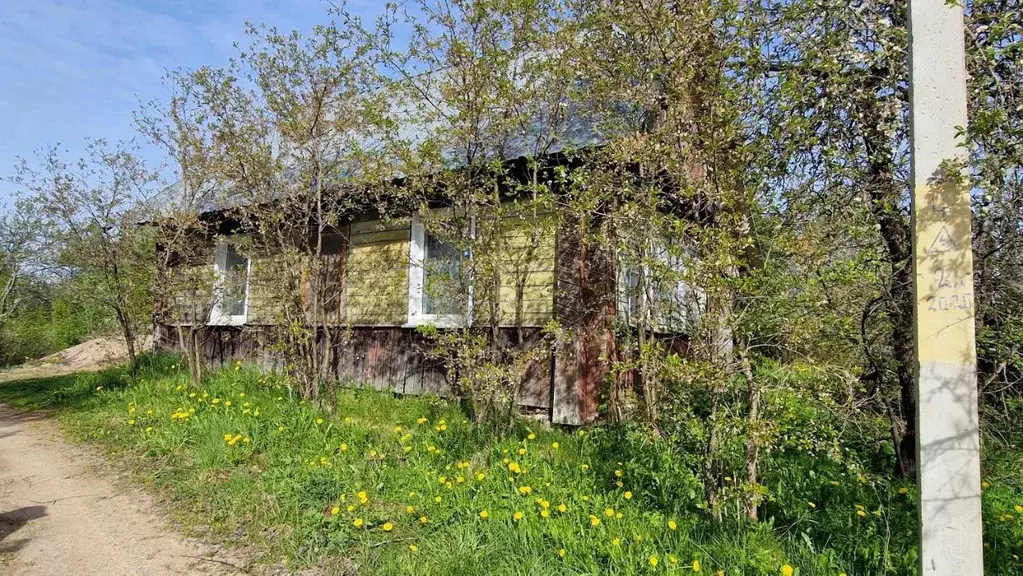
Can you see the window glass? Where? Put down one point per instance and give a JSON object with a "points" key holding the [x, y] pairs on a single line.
{"points": [[440, 277], [236, 269]]}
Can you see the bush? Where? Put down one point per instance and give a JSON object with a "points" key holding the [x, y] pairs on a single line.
{"points": [[390, 485]]}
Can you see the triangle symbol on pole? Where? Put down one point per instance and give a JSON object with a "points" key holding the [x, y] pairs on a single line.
{"points": [[943, 242]]}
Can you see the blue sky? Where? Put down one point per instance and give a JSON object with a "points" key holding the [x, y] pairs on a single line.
{"points": [[77, 68]]}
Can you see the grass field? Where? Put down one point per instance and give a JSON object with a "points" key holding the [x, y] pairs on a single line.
{"points": [[388, 485]]}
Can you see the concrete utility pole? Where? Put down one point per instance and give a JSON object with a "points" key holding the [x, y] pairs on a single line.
{"points": [[948, 439]]}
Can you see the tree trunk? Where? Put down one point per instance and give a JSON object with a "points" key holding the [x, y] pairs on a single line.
{"points": [[752, 502], [885, 199], [129, 337]]}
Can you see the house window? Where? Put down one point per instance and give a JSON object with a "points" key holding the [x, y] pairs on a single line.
{"points": [[231, 296], [435, 267]]}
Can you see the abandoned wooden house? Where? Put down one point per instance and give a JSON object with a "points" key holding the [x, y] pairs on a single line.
{"points": [[378, 268]]}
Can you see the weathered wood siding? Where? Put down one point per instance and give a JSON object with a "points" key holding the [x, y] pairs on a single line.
{"points": [[585, 304], [527, 273], [386, 358], [377, 274], [266, 274]]}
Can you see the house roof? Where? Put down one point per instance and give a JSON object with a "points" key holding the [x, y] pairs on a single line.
{"points": [[556, 128]]}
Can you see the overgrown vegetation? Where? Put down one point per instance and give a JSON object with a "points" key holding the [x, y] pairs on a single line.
{"points": [[733, 177], [390, 485]]}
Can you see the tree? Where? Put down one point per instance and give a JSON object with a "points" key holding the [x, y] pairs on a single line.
{"points": [[279, 137], [91, 212], [477, 85], [19, 235]]}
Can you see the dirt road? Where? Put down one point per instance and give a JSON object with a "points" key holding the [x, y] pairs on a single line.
{"points": [[61, 512]]}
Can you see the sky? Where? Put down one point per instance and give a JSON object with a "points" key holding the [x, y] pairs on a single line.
{"points": [[79, 68]]}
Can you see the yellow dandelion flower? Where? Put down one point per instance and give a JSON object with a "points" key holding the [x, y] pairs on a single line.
{"points": [[357, 522], [227, 402], [460, 480], [131, 422], [786, 570], [522, 451], [618, 473], [652, 560], [410, 509], [531, 436], [280, 428], [672, 525], [562, 508], [518, 515], [628, 495], [1018, 508], [616, 541], [149, 428], [561, 553], [903, 490], [480, 476], [672, 559], [335, 510], [525, 490], [351, 508], [609, 512], [484, 514], [413, 547], [343, 447], [421, 421], [594, 521], [585, 466], [696, 565], [861, 513], [397, 428], [424, 520], [438, 499], [545, 514], [555, 445], [318, 420], [388, 526]]}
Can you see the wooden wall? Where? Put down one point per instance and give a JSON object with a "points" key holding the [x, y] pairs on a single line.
{"points": [[527, 273], [386, 358], [376, 290]]}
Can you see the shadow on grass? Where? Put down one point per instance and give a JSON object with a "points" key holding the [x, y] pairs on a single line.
{"points": [[66, 391]]}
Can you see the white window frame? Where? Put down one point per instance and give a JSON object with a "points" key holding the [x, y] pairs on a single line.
{"points": [[417, 287], [217, 316]]}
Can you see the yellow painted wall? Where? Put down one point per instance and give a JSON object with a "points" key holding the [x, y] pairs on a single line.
{"points": [[527, 273], [377, 275], [265, 274]]}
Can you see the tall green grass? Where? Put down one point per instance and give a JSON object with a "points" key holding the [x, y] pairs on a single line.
{"points": [[385, 485]]}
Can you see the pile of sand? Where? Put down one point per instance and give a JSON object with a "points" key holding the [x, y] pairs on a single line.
{"points": [[90, 355], [95, 353]]}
